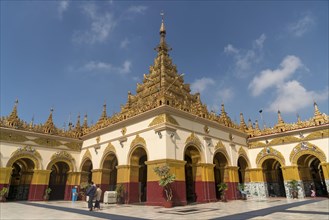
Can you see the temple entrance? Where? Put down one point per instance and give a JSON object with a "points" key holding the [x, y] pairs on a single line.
{"points": [[192, 158], [138, 158], [273, 177], [57, 180], [220, 162], [21, 179], [110, 164], [311, 173], [242, 165], [86, 169]]}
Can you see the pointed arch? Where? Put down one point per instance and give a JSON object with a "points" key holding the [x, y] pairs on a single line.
{"points": [[26, 152], [243, 153], [138, 141], [306, 148], [268, 153], [193, 140], [62, 156], [86, 156], [110, 149], [224, 152]]}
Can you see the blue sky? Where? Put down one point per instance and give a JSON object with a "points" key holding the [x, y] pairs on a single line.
{"points": [[75, 55]]}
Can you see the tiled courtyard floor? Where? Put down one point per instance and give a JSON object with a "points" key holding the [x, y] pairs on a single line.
{"points": [[274, 208]]}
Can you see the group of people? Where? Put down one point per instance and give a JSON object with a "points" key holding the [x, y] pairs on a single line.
{"points": [[94, 193]]}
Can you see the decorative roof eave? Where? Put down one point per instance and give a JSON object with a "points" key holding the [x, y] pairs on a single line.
{"points": [[40, 135], [291, 132]]}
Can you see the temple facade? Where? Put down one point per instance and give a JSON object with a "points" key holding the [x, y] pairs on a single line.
{"points": [[164, 123]]}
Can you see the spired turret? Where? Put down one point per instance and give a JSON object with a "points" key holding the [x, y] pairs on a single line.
{"points": [[13, 120], [49, 127], [163, 85]]}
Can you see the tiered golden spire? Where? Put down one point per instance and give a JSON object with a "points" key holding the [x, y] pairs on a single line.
{"points": [[243, 125], [13, 120], [49, 126]]}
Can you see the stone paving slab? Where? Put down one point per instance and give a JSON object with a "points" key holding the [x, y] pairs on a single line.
{"points": [[278, 208]]}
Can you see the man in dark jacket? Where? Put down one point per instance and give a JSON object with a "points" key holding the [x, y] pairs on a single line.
{"points": [[91, 193]]}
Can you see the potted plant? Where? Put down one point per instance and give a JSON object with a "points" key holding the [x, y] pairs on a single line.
{"points": [[222, 187], [119, 189], [46, 195], [242, 192], [3, 194], [166, 178], [83, 188], [293, 187]]}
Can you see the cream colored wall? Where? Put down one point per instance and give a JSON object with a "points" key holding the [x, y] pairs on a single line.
{"points": [[7, 149]]}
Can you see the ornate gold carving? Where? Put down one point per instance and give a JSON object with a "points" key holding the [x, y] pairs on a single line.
{"points": [[62, 155], [284, 140], [267, 153], [124, 131], [318, 134], [47, 142], [219, 145], [194, 140], [163, 118], [206, 129], [74, 145], [25, 152], [109, 148], [224, 152], [244, 154], [306, 148], [138, 141], [6, 136], [256, 144], [98, 139]]}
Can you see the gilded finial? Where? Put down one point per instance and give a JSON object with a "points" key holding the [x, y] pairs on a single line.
{"points": [[280, 120], [316, 109], [162, 28]]}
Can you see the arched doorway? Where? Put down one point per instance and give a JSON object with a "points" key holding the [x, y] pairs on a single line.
{"points": [[311, 173], [110, 163], [57, 180], [242, 165], [192, 158], [21, 179], [86, 169], [273, 177], [138, 159], [220, 162]]}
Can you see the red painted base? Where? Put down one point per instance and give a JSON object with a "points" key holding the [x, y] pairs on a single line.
{"points": [[36, 192], [232, 192]]}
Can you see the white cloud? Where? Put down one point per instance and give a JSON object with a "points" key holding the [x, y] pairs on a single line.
{"points": [[124, 43], [245, 59], [101, 67], [222, 95], [137, 9], [303, 25], [230, 49], [260, 41], [200, 85], [269, 78], [62, 7], [292, 96], [101, 25]]}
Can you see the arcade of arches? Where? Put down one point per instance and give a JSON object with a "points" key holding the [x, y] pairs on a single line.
{"points": [[164, 123]]}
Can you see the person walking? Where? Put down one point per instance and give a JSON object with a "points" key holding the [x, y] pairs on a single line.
{"points": [[98, 195], [313, 194], [91, 193]]}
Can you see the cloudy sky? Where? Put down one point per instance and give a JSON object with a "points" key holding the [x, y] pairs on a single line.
{"points": [[75, 55]]}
